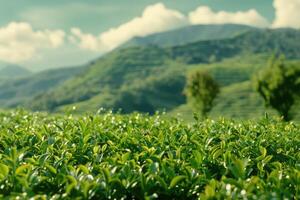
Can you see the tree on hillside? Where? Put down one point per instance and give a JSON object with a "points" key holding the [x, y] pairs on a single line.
{"points": [[279, 85], [201, 90]]}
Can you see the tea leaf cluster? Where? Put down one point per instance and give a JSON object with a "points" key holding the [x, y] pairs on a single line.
{"points": [[109, 156]]}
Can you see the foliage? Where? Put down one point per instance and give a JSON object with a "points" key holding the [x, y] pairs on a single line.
{"points": [[17, 91], [107, 75], [237, 101], [110, 156], [278, 86], [201, 90], [149, 78]]}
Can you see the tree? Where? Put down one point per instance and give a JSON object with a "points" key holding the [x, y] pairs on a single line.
{"points": [[278, 84], [201, 90]]}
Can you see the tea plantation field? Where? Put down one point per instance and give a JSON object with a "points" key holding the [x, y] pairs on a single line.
{"points": [[109, 156]]}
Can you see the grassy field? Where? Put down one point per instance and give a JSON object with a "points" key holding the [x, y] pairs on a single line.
{"points": [[110, 156]]}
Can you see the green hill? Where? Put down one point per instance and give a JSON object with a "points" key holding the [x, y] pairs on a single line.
{"points": [[189, 34], [3, 64], [17, 91], [238, 101], [9, 71], [150, 78]]}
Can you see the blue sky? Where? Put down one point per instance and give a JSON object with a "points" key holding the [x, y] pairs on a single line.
{"points": [[41, 34]]}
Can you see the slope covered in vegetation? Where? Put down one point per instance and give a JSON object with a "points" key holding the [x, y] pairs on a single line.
{"points": [[112, 79], [147, 78], [190, 34], [18, 91], [9, 71]]}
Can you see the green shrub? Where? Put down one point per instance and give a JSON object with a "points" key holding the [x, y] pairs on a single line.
{"points": [[108, 156]]}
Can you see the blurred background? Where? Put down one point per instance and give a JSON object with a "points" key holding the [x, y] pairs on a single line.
{"points": [[235, 59]]}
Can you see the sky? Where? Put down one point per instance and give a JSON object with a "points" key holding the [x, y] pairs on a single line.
{"points": [[44, 34]]}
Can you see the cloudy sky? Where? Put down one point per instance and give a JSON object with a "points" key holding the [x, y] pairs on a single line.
{"points": [[42, 34]]}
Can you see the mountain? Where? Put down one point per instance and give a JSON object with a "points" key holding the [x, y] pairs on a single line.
{"points": [[17, 91], [190, 34], [10, 71], [3, 64], [150, 78]]}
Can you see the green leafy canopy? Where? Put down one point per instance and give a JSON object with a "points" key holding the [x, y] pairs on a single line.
{"points": [[278, 84], [201, 90]]}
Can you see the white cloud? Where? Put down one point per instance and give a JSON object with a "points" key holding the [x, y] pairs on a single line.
{"points": [[205, 15], [155, 18], [19, 42], [287, 13], [85, 40], [158, 18]]}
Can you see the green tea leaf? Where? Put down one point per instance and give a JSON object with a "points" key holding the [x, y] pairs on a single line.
{"points": [[176, 180], [4, 170]]}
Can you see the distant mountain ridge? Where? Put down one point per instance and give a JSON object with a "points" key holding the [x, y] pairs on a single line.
{"points": [[3, 64], [13, 71], [17, 91], [190, 34]]}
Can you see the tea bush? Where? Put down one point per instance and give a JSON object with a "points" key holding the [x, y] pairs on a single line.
{"points": [[109, 156]]}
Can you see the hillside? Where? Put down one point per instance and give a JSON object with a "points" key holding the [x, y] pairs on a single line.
{"points": [[9, 71], [189, 34], [151, 78], [17, 91], [3, 64]]}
